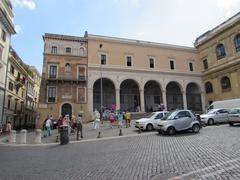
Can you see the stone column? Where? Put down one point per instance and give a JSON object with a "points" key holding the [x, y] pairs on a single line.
{"points": [[117, 99], [184, 100], [23, 136], [142, 100], [90, 100], [203, 101], [12, 137], [164, 96], [38, 136]]}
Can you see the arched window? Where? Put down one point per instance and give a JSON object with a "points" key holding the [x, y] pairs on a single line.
{"points": [[237, 42], [81, 51], [208, 87], [54, 50], [68, 50], [220, 51], [67, 67], [225, 83]]}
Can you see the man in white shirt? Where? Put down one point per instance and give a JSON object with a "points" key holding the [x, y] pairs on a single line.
{"points": [[48, 126]]}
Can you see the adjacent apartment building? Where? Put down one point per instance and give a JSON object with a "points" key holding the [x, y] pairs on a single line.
{"points": [[219, 52], [22, 93], [64, 77], [6, 30]]}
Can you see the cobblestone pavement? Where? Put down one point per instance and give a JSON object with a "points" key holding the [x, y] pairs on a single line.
{"points": [[214, 153]]}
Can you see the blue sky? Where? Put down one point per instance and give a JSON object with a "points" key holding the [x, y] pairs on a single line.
{"points": [[166, 21]]}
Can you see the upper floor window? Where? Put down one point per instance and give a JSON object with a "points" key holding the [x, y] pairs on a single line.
{"points": [[151, 62], [81, 51], [68, 50], [3, 35], [190, 66], [220, 51], [52, 91], [12, 70], [103, 59], [10, 86], [205, 64], [67, 67], [54, 50], [172, 64], [237, 42], [129, 60], [208, 87], [225, 83], [53, 71]]}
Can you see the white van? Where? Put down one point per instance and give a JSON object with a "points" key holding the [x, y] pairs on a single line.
{"points": [[228, 104]]}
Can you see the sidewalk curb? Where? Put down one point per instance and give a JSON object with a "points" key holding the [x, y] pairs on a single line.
{"points": [[74, 142]]}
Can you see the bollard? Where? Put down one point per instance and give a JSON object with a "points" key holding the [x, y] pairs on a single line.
{"points": [[57, 139], [120, 132], [139, 130], [12, 137], [38, 136], [99, 135], [23, 136]]}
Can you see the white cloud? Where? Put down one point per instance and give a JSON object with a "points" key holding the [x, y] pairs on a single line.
{"points": [[30, 4], [18, 28]]}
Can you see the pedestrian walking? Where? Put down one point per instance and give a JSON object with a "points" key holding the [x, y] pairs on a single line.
{"points": [[8, 127], [79, 126], [120, 119], [128, 119], [112, 119], [97, 119], [48, 126]]}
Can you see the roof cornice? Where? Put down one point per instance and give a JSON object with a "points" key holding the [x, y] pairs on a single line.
{"points": [[218, 29], [140, 42], [7, 21], [63, 37]]}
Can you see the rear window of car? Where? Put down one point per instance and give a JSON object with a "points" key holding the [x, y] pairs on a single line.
{"points": [[235, 111]]}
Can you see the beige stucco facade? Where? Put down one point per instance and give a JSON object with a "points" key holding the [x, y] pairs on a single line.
{"points": [[226, 66], [64, 77], [116, 70]]}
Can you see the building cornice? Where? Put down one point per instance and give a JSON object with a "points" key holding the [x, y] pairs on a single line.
{"points": [[7, 21], [217, 30], [130, 70], [228, 66], [63, 37], [140, 43]]}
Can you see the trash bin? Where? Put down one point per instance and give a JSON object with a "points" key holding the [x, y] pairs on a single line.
{"points": [[64, 138]]}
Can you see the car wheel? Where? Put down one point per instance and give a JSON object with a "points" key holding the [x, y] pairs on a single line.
{"points": [[210, 122], [230, 124], [171, 130], [149, 127], [195, 128]]}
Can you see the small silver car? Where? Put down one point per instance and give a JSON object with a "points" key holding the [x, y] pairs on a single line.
{"points": [[234, 116], [215, 116], [178, 121]]}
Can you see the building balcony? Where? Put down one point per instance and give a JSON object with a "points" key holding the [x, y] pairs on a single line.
{"points": [[67, 78]]}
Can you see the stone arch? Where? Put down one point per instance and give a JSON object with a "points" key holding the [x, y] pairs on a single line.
{"points": [[152, 95], [129, 95], [108, 94], [193, 95], [174, 95]]}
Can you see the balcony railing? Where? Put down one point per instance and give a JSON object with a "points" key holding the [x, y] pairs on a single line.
{"points": [[68, 78]]}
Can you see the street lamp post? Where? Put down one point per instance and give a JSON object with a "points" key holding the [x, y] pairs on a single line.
{"points": [[101, 106]]}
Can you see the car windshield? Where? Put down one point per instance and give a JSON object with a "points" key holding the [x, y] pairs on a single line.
{"points": [[235, 111], [169, 116], [150, 115], [213, 111]]}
